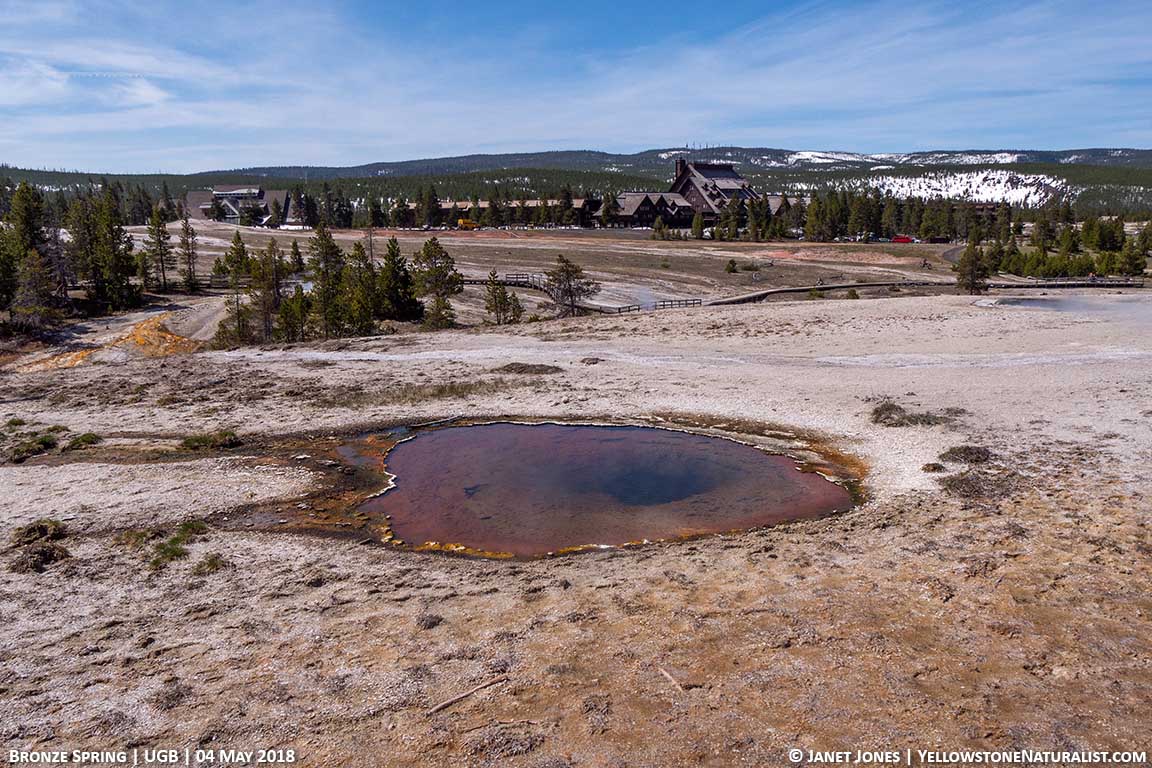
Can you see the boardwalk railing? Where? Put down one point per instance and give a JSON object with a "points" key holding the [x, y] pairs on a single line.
{"points": [[514, 280], [1072, 282], [648, 307]]}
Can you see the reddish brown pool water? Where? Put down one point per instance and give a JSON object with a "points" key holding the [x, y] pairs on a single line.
{"points": [[531, 489]]}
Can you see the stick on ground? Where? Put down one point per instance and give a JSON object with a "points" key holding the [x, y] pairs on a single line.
{"points": [[671, 679], [466, 694]]}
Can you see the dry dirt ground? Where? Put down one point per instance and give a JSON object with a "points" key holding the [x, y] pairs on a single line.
{"points": [[1005, 607]]}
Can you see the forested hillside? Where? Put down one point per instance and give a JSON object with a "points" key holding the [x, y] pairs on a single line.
{"points": [[1095, 180]]}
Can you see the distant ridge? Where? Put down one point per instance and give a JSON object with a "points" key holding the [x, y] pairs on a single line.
{"points": [[656, 162], [1105, 180]]}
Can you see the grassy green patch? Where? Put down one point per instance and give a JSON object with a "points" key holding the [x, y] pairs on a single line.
{"points": [[223, 438], [80, 442], [173, 547], [209, 564], [33, 446], [16, 422]]}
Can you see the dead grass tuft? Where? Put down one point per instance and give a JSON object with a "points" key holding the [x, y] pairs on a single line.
{"points": [[979, 484], [889, 414], [41, 530], [533, 368], [967, 454], [412, 394], [34, 558]]}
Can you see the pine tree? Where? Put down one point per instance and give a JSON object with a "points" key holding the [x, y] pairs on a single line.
{"points": [[659, 230], [609, 209], [187, 254], [32, 305], [994, 257], [436, 277], [236, 258], [515, 310], [297, 261], [568, 286], [1132, 260], [81, 225], [292, 320], [565, 211], [698, 226], [972, 270], [432, 208], [113, 255], [497, 302], [157, 254], [375, 213], [23, 233], [275, 214], [396, 293], [267, 284], [327, 265], [361, 288]]}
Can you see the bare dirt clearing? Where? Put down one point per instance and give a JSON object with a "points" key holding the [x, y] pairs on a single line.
{"points": [[1007, 608]]}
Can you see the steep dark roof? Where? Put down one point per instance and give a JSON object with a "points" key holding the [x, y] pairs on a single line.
{"points": [[717, 182]]}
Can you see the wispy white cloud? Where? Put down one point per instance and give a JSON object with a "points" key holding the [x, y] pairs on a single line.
{"points": [[26, 83], [90, 86]]}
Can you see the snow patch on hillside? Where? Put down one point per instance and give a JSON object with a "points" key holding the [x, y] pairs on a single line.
{"points": [[991, 186]]}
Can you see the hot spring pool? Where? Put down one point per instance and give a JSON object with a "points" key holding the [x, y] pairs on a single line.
{"points": [[528, 490]]}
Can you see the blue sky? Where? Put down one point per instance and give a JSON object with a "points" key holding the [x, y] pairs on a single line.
{"points": [[110, 85]]}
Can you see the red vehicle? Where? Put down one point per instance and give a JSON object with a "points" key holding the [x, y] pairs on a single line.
{"points": [[901, 239]]}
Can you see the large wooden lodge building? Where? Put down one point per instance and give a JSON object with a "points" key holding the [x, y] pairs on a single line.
{"points": [[705, 188]]}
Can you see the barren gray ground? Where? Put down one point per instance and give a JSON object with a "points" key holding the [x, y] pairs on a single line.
{"points": [[1008, 610]]}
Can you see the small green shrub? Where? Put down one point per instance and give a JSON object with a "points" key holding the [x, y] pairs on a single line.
{"points": [[15, 422], [731, 267], [223, 438], [852, 294], [210, 564], [167, 551], [136, 538], [815, 293], [80, 442], [173, 547], [33, 446]]}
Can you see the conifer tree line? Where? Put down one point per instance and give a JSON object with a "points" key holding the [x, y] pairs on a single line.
{"points": [[425, 209], [867, 215], [38, 265], [1056, 250], [352, 293]]}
